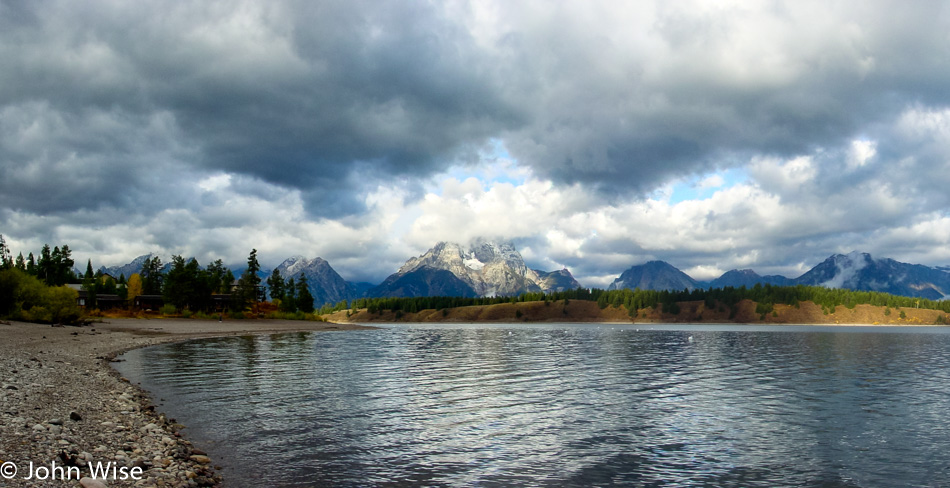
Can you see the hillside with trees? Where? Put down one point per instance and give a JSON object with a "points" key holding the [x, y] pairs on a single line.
{"points": [[758, 304]]}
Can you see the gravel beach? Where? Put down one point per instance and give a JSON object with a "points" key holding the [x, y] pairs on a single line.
{"points": [[67, 418]]}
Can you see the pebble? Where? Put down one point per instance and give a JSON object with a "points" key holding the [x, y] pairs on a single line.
{"points": [[91, 483], [200, 459]]}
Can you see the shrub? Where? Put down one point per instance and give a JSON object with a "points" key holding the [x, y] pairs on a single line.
{"points": [[168, 309], [62, 304]]}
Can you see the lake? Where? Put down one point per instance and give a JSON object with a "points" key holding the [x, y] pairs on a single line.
{"points": [[564, 405]]}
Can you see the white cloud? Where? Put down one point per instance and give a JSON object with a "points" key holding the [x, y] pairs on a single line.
{"points": [[861, 152]]}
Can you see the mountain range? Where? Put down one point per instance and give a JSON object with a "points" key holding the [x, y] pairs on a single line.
{"points": [[492, 268], [853, 271]]}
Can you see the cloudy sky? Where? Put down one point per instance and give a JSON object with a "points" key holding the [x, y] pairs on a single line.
{"points": [[594, 134]]}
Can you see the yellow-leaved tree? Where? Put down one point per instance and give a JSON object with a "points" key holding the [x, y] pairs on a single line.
{"points": [[134, 287]]}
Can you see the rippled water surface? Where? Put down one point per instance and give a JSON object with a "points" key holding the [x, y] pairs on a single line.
{"points": [[564, 405]]}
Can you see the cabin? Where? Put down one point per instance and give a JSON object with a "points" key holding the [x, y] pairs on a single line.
{"points": [[104, 301]]}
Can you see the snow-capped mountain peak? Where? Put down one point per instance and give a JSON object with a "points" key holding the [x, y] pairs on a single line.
{"points": [[489, 267]]}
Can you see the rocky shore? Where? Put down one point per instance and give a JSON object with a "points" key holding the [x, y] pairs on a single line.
{"points": [[68, 419]]}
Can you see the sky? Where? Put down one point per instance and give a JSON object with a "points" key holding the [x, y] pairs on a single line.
{"points": [[594, 134]]}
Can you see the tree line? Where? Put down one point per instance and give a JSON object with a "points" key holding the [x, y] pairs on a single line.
{"points": [[765, 295], [34, 289]]}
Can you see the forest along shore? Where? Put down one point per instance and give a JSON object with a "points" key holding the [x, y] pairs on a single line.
{"points": [[743, 312], [64, 410]]}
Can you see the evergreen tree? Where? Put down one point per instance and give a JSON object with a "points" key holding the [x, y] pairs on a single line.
{"points": [[20, 263], [249, 285], [44, 267], [187, 286], [177, 285], [227, 283], [152, 278], [216, 275], [6, 259], [304, 298], [289, 303], [63, 265], [89, 284], [276, 285], [31, 265]]}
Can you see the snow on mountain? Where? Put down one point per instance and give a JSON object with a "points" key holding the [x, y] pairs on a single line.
{"points": [[491, 268]]}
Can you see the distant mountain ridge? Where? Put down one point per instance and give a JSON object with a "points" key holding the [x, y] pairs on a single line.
{"points": [[747, 278], [853, 271], [859, 271]]}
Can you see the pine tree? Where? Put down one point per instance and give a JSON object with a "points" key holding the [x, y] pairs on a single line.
{"points": [[44, 267], [89, 284], [304, 298], [289, 303], [6, 259], [276, 285], [152, 278], [216, 275], [248, 289], [227, 283]]}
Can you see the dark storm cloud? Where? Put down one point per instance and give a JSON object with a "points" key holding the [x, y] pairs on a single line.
{"points": [[295, 94], [306, 94]]}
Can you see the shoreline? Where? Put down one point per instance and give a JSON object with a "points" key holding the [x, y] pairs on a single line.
{"points": [[64, 410]]}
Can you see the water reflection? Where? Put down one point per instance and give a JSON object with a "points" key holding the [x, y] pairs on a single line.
{"points": [[562, 405]]}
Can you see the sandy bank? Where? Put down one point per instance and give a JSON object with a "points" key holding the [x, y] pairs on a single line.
{"points": [[66, 411]]}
